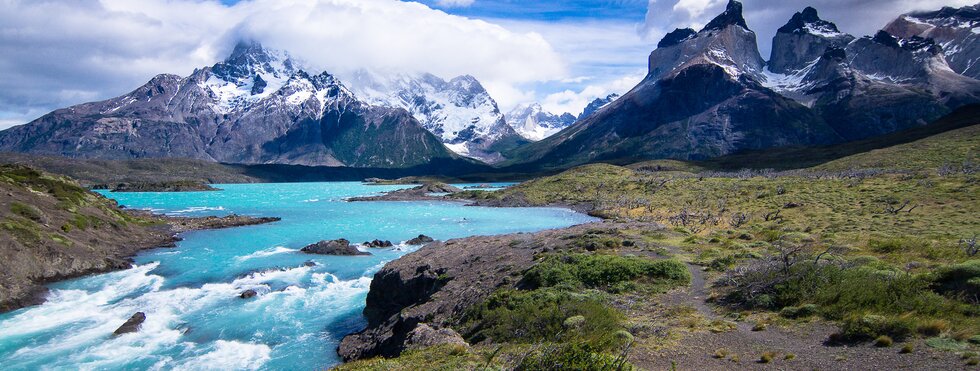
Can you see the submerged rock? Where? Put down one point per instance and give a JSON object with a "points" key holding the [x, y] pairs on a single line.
{"points": [[248, 294], [132, 324], [339, 247], [421, 239]]}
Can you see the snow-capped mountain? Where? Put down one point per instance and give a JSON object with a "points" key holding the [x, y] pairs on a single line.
{"points": [[256, 107], [864, 86], [956, 30], [459, 111], [709, 93], [803, 40], [533, 123], [726, 42], [596, 105]]}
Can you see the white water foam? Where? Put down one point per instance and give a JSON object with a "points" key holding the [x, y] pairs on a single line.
{"points": [[266, 252], [196, 209], [229, 355]]}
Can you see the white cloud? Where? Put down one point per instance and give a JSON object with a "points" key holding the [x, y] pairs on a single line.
{"points": [[695, 8], [575, 101], [454, 3], [60, 52]]}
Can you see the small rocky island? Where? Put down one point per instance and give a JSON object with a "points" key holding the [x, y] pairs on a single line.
{"points": [[425, 192], [182, 224], [172, 186]]}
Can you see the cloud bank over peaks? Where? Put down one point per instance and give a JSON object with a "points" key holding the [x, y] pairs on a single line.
{"points": [[57, 53]]}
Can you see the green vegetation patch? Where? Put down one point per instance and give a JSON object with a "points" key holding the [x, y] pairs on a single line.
{"points": [[546, 315], [607, 272], [61, 188], [27, 211]]}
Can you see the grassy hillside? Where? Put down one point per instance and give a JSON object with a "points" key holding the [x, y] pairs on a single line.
{"points": [[799, 158], [48, 220], [882, 243]]}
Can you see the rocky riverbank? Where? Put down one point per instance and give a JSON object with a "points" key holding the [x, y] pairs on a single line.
{"points": [[426, 292], [53, 229]]}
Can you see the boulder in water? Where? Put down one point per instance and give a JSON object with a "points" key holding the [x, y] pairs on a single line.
{"points": [[248, 294], [339, 247], [132, 324], [421, 239], [378, 244]]}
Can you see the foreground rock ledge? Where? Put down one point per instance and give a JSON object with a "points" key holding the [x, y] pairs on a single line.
{"points": [[416, 299]]}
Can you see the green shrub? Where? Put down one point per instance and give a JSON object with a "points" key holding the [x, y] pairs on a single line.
{"points": [[803, 311], [603, 271], [890, 245], [933, 327], [767, 357], [870, 326], [907, 348], [544, 315], [884, 341], [572, 356], [962, 280], [27, 211]]}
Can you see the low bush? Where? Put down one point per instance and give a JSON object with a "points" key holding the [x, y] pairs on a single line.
{"points": [[803, 311], [27, 211], [959, 280], [871, 326], [572, 356], [884, 341], [603, 271], [545, 315]]}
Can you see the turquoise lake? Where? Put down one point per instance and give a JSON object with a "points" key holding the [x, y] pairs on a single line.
{"points": [[195, 319]]}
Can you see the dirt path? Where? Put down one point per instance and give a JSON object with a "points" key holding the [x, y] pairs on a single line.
{"points": [[699, 338]]}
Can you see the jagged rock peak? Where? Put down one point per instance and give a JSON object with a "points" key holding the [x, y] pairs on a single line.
{"points": [[809, 22], [250, 58], [731, 17], [676, 36], [597, 104], [966, 13], [885, 38]]}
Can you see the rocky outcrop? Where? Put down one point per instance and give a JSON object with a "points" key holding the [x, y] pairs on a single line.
{"points": [[424, 336], [183, 224], [339, 247], [132, 324], [417, 299], [421, 193]]}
